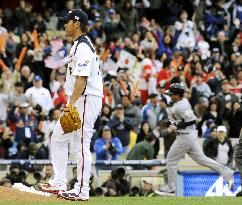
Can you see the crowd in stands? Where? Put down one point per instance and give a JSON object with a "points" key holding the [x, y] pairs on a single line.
{"points": [[144, 46]]}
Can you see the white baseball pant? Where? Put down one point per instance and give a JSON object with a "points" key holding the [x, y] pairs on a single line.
{"points": [[89, 108]]}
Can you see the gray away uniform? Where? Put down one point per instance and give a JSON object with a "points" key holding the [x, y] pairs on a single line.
{"points": [[238, 157], [187, 142]]}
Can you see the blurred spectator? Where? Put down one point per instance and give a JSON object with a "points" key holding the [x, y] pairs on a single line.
{"points": [[118, 185], [147, 188], [113, 26], [5, 182], [22, 16], [38, 95], [236, 88], [213, 135], [25, 125], [233, 114], [151, 111], [225, 98], [45, 175], [235, 10], [165, 74], [210, 125], [144, 131], [211, 113], [107, 147], [4, 104], [39, 24], [16, 175], [144, 149], [26, 77], [132, 111], [33, 152], [215, 17], [129, 15], [201, 88], [220, 149], [121, 126], [184, 32], [134, 191], [163, 105], [149, 42], [50, 19], [8, 145], [69, 7], [18, 97], [223, 44]]}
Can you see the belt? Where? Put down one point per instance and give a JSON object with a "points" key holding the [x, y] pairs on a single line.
{"points": [[182, 133]]}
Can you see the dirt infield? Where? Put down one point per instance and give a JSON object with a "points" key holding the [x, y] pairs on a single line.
{"points": [[14, 195]]}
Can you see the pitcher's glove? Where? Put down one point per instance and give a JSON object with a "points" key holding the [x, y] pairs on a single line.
{"points": [[70, 120]]}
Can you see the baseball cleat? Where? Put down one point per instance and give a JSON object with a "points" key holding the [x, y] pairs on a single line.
{"points": [[164, 193], [46, 187], [239, 194], [68, 195]]}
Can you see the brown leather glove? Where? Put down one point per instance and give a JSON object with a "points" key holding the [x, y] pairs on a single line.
{"points": [[70, 120]]}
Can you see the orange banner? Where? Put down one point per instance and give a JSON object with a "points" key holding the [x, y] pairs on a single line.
{"points": [[3, 39], [104, 56], [123, 87], [135, 89], [35, 38], [20, 58]]}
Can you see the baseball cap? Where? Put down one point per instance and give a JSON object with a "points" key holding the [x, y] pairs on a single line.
{"points": [[215, 50], [37, 77], [19, 84], [147, 180], [203, 100], [106, 127], [111, 11], [118, 106], [225, 82], [24, 105], [153, 95], [76, 15], [221, 129]]}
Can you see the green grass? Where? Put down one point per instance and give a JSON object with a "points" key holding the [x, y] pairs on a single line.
{"points": [[145, 201]]}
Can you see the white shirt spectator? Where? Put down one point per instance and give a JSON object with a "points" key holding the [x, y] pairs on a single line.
{"points": [[3, 106], [40, 95]]}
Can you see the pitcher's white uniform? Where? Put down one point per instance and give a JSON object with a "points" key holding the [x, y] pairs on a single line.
{"points": [[83, 61]]}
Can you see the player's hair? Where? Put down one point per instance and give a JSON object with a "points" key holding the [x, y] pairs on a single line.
{"points": [[127, 96], [150, 137], [84, 28]]}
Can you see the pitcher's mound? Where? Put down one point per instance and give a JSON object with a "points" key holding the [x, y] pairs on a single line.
{"points": [[14, 195]]}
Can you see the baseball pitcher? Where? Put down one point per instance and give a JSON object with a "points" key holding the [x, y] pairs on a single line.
{"points": [[84, 89]]}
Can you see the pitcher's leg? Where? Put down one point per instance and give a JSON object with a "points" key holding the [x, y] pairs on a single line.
{"points": [[59, 155], [91, 108], [85, 172]]}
